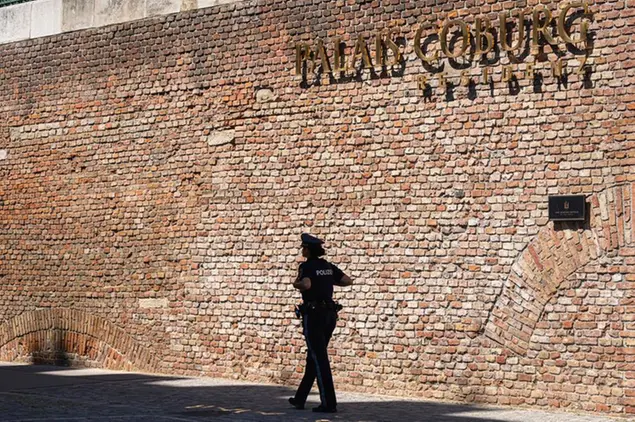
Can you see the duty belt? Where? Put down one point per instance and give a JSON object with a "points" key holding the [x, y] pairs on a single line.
{"points": [[312, 305]]}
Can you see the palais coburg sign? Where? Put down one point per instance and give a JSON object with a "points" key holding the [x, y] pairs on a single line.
{"points": [[518, 35]]}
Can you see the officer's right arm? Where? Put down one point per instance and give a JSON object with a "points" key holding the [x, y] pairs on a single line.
{"points": [[345, 281], [339, 278]]}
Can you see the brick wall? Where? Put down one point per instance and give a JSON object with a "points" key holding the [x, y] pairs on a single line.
{"points": [[155, 177]]}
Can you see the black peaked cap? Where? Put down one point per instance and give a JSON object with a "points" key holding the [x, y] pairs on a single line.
{"points": [[311, 240]]}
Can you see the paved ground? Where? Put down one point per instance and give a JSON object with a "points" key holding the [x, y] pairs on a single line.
{"points": [[45, 393]]}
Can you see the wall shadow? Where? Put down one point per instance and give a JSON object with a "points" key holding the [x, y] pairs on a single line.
{"points": [[41, 391]]}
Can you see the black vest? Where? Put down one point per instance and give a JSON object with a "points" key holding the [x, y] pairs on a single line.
{"points": [[323, 276]]}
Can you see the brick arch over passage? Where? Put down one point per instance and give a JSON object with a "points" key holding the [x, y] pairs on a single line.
{"points": [[558, 251], [61, 335]]}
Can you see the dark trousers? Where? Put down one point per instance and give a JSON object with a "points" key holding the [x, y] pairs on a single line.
{"points": [[318, 329]]}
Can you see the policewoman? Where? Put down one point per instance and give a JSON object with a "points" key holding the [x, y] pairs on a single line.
{"points": [[316, 278]]}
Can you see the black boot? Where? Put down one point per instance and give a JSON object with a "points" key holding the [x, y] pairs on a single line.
{"points": [[295, 403], [324, 409]]}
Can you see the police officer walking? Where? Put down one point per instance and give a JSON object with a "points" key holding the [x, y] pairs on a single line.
{"points": [[316, 278]]}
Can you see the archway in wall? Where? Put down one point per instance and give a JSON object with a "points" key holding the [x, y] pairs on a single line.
{"points": [[557, 252], [72, 337]]}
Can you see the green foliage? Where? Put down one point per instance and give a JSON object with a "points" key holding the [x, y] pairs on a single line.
{"points": [[11, 2]]}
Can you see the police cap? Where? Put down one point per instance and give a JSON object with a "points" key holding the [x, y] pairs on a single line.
{"points": [[307, 239]]}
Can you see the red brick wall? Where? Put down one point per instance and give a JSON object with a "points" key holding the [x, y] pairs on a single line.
{"points": [[178, 159]]}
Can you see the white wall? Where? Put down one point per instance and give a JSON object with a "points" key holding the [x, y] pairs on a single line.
{"points": [[48, 17]]}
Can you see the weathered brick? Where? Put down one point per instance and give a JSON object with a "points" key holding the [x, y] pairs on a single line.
{"points": [[153, 189]]}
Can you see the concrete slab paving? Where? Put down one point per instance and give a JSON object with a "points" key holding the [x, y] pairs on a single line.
{"points": [[47, 393]]}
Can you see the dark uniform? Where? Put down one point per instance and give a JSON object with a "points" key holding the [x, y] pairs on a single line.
{"points": [[319, 316]]}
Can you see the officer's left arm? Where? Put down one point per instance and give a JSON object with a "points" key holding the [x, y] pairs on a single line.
{"points": [[302, 284]]}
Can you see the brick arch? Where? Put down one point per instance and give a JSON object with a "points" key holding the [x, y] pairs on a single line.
{"points": [[62, 335], [552, 256]]}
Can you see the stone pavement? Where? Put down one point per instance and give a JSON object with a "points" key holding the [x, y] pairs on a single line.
{"points": [[46, 393]]}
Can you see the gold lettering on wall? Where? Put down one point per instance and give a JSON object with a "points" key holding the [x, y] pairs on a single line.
{"points": [[505, 36], [482, 28], [442, 80], [422, 82], [584, 25], [508, 73], [556, 68], [339, 60], [465, 78], [543, 27], [384, 41], [529, 71], [465, 38], [324, 59], [451, 39], [486, 75], [302, 56], [419, 51], [360, 51]]}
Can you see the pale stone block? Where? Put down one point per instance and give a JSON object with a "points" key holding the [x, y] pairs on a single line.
{"points": [[77, 14], [3, 154], [108, 12], [265, 95], [46, 18], [188, 5], [162, 7], [210, 3], [221, 137], [153, 303], [15, 22]]}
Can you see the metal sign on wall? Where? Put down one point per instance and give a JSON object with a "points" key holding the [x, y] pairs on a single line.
{"points": [[567, 208]]}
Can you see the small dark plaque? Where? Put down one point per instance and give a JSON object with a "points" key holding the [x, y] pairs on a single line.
{"points": [[567, 207]]}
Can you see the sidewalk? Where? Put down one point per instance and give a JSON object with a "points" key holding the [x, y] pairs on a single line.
{"points": [[46, 393]]}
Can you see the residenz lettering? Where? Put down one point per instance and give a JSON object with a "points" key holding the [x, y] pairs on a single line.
{"points": [[463, 46]]}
